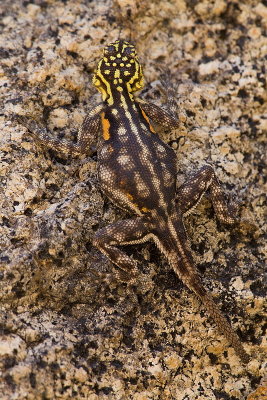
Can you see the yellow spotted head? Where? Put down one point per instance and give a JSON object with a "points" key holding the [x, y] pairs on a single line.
{"points": [[118, 70]]}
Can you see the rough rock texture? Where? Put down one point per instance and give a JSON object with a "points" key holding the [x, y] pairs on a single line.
{"points": [[68, 329]]}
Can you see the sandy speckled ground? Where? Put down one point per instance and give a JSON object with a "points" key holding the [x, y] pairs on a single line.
{"points": [[68, 329]]}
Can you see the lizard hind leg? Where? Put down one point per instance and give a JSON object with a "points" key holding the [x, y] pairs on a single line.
{"points": [[190, 193], [124, 232]]}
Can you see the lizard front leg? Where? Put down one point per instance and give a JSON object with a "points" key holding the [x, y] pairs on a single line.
{"points": [[166, 119], [191, 192], [129, 231], [86, 135]]}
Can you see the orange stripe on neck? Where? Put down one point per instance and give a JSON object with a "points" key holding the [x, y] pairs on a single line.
{"points": [[105, 126], [147, 120]]}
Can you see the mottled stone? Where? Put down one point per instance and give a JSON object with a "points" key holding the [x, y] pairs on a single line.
{"points": [[68, 330]]}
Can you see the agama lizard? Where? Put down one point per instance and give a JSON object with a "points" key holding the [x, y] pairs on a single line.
{"points": [[137, 171]]}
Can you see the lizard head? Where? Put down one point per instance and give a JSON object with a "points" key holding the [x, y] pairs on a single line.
{"points": [[118, 68]]}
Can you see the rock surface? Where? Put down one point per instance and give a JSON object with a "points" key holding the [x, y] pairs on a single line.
{"points": [[68, 329]]}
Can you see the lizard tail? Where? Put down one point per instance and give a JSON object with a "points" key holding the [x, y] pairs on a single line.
{"points": [[191, 280], [223, 325]]}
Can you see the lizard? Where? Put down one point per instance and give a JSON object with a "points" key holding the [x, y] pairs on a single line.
{"points": [[137, 171]]}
